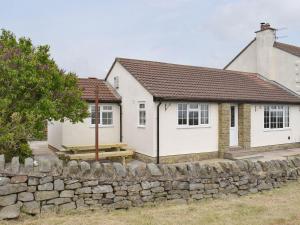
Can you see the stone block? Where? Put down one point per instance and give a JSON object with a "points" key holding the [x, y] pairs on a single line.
{"points": [[2, 162], [67, 194], [45, 166], [59, 201], [46, 179], [15, 165], [84, 190], [31, 208], [196, 186], [45, 187], [85, 167], [157, 189], [45, 195], [179, 185], [134, 188], [10, 212], [33, 181], [28, 164], [102, 189], [4, 181], [59, 185], [154, 170], [97, 196], [67, 207], [121, 193], [31, 189], [122, 204], [8, 200], [120, 169], [73, 186], [90, 183], [18, 179], [12, 188], [25, 196], [48, 209]]}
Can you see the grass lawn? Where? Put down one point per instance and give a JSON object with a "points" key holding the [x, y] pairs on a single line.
{"points": [[276, 207]]}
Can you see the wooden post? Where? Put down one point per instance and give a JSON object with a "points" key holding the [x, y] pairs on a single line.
{"points": [[97, 122]]}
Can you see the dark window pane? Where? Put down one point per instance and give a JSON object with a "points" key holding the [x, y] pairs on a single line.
{"points": [[232, 120]]}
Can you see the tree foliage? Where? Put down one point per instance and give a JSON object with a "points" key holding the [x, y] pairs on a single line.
{"points": [[32, 90]]}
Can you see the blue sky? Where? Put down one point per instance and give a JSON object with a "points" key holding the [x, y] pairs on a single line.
{"points": [[85, 36]]}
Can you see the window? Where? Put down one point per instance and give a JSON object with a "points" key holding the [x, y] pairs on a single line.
{"points": [[93, 114], [276, 116], [182, 114], [232, 116], [142, 114], [105, 115], [116, 82], [192, 114]]}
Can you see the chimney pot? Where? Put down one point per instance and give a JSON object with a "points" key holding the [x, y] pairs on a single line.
{"points": [[264, 26]]}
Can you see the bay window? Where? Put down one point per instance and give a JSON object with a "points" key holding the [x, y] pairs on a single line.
{"points": [[192, 114], [276, 117]]}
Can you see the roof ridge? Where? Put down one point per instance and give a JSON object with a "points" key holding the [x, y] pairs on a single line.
{"points": [[185, 65]]}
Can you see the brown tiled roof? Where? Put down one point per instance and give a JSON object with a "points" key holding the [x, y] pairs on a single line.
{"points": [[106, 92], [292, 49], [180, 82]]}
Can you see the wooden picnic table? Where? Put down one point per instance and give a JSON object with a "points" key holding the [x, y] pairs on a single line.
{"points": [[108, 151]]}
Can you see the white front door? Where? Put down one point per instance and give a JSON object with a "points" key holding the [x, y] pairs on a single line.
{"points": [[234, 137]]}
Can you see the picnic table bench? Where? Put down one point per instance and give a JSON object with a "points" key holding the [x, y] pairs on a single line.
{"points": [[105, 151]]}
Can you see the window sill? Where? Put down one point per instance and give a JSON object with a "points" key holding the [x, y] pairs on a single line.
{"points": [[276, 129], [102, 126], [141, 126], [193, 127]]}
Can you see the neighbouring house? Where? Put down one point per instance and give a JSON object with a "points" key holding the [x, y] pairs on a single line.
{"points": [[174, 113], [83, 134], [274, 60]]}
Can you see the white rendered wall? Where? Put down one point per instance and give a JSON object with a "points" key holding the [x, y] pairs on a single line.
{"points": [[54, 134], [263, 137], [286, 69], [83, 134], [141, 139], [246, 62], [175, 140], [261, 57]]}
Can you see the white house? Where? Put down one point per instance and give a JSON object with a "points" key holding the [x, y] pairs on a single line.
{"points": [[274, 60], [174, 113], [83, 134], [177, 112]]}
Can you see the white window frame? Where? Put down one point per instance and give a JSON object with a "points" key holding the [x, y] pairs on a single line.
{"points": [[285, 109], [199, 110], [102, 106], [116, 82], [138, 114]]}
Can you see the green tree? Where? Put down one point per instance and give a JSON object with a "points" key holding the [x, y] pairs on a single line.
{"points": [[32, 90]]}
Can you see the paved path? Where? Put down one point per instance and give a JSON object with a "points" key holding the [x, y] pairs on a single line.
{"points": [[273, 155], [40, 150]]}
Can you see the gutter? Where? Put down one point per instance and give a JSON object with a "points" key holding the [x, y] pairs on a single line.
{"points": [[121, 123], [157, 133]]}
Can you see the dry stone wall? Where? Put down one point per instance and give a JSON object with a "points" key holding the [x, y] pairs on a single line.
{"points": [[44, 186]]}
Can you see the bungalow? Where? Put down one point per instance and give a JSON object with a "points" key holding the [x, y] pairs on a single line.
{"points": [[178, 112], [175, 113]]}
